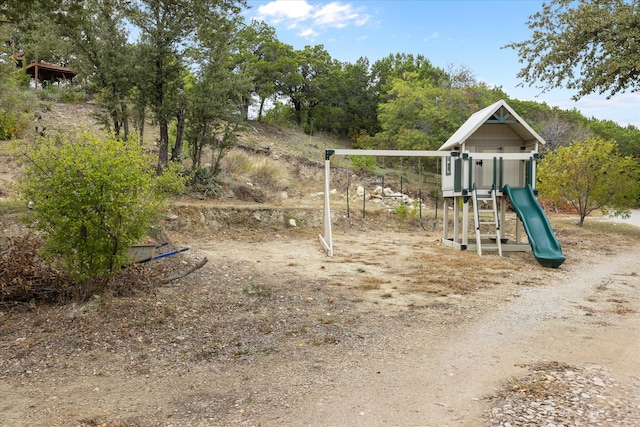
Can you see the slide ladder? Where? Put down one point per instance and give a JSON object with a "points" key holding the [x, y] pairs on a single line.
{"points": [[486, 218]]}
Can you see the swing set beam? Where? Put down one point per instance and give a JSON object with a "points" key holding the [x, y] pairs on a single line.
{"points": [[326, 240]]}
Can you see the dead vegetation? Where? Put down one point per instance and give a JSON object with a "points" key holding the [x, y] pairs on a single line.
{"points": [[27, 280]]}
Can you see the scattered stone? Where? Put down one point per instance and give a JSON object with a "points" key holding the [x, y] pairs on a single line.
{"points": [[554, 394]]}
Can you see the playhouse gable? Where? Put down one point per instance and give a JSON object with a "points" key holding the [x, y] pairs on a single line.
{"points": [[498, 119]]}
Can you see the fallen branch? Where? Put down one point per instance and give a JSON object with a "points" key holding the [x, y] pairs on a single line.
{"points": [[200, 264]]}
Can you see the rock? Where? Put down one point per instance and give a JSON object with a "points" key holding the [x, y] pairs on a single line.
{"points": [[360, 190], [292, 222]]}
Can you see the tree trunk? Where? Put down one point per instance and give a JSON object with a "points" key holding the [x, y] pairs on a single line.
{"points": [[163, 146], [143, 118], [297, 105], [116, 122], [125, 118], [176, 153], [246, 101], [261, 109]]}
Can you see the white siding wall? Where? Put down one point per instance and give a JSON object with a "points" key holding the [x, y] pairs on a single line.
{"points": [[490, 138]]}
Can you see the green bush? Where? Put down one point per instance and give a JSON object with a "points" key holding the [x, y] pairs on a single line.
{"points": [[402, 210], [93, 198], [73, 95], [16, 102], [364, 164], [50, 93], [11, 124]]}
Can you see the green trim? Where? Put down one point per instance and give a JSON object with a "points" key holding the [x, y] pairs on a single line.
{"points": [[495, 172], [457, 175], [328, 154], [501, 116]]}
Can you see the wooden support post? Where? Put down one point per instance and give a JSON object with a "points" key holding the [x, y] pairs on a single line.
{"points": [[445, 219], [327, 240], [456, 220]]}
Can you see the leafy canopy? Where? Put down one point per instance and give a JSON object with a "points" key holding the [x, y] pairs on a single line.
{"points": [[590, 175], [587, 46], [93, 198]]}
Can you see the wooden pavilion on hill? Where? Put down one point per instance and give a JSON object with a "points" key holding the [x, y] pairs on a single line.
{"points": [[45, 71]]}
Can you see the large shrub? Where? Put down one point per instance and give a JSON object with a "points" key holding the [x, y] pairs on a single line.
{"points": [[590, 175], [16, 102], [92, 198]]}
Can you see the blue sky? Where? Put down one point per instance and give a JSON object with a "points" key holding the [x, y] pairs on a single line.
{"points": [[451, 33]]}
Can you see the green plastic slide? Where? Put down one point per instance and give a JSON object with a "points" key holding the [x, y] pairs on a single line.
{"points": [[544, 243]]}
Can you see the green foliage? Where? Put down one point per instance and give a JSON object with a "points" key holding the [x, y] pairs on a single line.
{"points": [[11, 124], [93, 198], [402, 210], [628, 138], [64, 94], [256, 290], [280, 115], [16, 104], [419, 115], [590, 175], [585, 46], [364, 164]]}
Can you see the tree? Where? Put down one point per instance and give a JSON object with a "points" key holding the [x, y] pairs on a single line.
{"points": [[591, 46], [212, 104], [168, 29], [590, 175], [304, 76], [256, 60], [103, 57], [93, 198], [420, 115]]}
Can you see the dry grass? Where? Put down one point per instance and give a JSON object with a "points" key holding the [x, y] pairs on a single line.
{"points": [[267, 173], [371, 283], [236, 163]]}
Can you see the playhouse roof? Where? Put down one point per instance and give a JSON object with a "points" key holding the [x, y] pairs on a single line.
{"points": [[499, 112]]}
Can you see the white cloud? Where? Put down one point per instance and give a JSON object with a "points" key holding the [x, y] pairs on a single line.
{"points": [[299, 13], [281, 10], [433, 36], [338, 15], [308, 33]]}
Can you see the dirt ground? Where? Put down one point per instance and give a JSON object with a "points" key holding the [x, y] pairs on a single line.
{"points": [[395, 329]]}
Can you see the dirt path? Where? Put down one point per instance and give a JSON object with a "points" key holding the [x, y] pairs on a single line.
{"points": [[429, 380]]}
